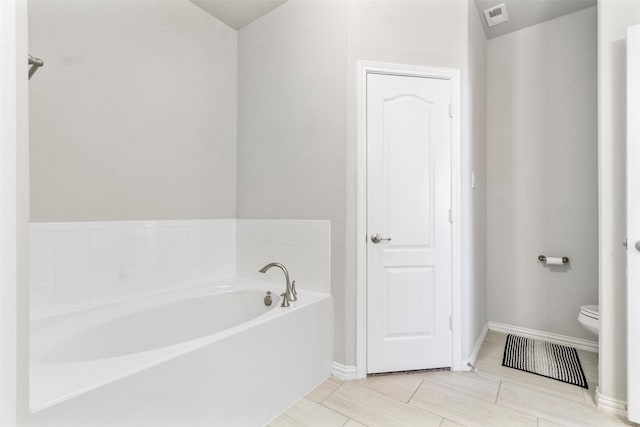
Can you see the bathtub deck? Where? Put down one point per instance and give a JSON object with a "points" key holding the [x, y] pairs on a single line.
{"points": [[494, 395]]}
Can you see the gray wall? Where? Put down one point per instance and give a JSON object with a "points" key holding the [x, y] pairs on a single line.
{"points": [[134, 114], [430, 33], [297, 121], [296, 141], [292, 124], [475, 296], [542, 174]]}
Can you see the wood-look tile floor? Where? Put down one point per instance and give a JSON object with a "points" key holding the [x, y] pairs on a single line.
{"points": [[492, 396]]}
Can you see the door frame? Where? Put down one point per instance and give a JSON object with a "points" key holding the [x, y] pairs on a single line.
{"points": [[633, 231], [365, 68]]}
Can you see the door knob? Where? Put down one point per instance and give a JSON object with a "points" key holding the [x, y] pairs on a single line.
{"points": [[376, 238], [637, 245]]}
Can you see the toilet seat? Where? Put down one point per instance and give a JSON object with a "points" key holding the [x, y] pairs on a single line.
{"points": [[591, 311], [589, 318]]}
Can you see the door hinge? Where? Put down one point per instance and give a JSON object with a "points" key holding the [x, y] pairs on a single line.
{"points": [[451, 110], [450, 216], [624, 243], [451, 322]]}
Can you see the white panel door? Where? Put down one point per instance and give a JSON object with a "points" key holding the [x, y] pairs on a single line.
{"points": [[633, 223], [408, 202]]}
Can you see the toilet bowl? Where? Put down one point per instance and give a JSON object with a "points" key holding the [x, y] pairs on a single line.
{"points": [[589, 318]]}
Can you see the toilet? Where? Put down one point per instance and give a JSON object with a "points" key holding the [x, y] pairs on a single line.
{"points": [[589, 318]]}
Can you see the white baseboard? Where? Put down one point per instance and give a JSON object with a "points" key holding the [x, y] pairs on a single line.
{"points": [[344, 372], [578, 343], [610, 405], [476, 348]]}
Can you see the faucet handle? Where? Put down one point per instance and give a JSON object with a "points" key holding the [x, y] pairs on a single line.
{"points": [[285, 300], [293, 290], [267, 299]]}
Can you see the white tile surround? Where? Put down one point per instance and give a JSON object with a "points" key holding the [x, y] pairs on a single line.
{"points": [[303, 246], [79, 265]]}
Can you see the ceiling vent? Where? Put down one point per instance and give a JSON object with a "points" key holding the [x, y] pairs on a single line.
{"points": [[496, 15]]}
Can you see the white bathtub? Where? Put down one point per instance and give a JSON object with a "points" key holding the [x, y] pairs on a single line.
{"points": [[210, 355]]}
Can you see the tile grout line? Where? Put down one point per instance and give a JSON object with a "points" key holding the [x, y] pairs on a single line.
{"points": [[415, 391], [380, 393], [563, 394], [559, 394], [362, 383], [584, 397], [330, 394], [460, 391], [545, 415], [285, 412], [385, 397], [524, 382], [333, 409], [336, 410], [318, 403]]}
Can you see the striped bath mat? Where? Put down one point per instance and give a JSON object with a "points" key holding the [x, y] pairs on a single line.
{"points": [[542, 358]]}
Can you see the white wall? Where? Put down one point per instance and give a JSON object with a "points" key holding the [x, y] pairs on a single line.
{"points": [[14, 216], [133, 115], [291, 122], [614, 16], [542, 174], [23, 207]]}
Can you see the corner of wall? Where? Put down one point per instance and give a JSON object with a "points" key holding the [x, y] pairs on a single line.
{"points": [[474, 182]]}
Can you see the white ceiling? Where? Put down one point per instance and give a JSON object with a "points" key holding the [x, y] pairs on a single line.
{"points": [[238, 13], [524, 13]]}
